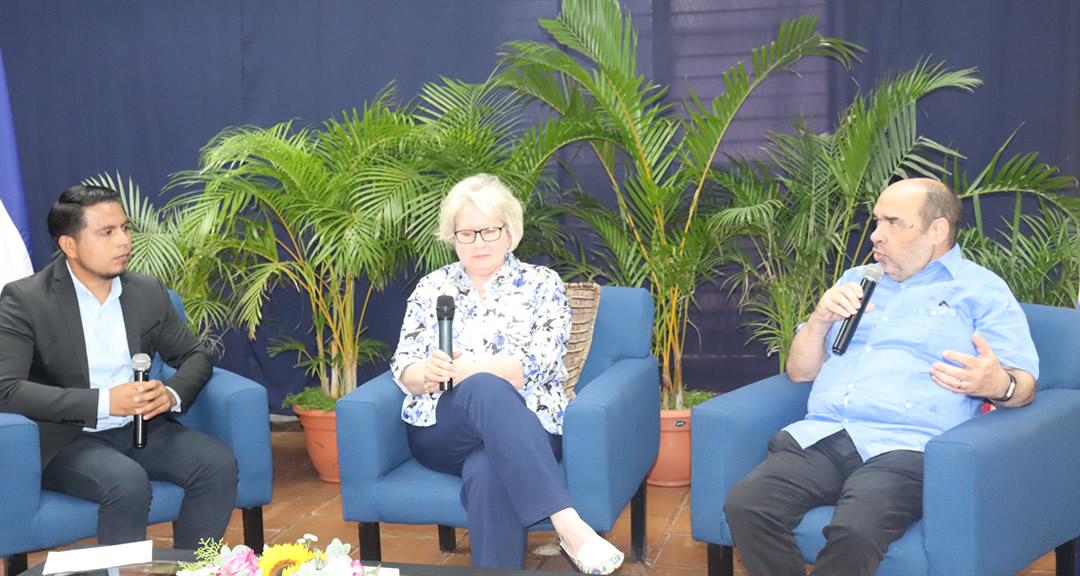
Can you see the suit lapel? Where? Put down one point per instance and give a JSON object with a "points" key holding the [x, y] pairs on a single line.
{"points": [[131, 318], [69, 311]]}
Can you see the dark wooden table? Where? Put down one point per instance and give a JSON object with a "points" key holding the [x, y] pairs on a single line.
{"points": [[166, 559]]}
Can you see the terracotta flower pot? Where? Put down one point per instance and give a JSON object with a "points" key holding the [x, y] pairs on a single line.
{"points": [[320, 432], [672, 466]]}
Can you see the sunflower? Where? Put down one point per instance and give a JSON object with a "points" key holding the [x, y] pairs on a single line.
{"points": [[284, 559]]}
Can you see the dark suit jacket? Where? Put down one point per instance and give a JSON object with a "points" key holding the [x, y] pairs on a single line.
{"points": [[44, 373]]}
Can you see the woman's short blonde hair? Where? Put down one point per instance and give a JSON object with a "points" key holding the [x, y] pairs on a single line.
{"points": [[491, 197]]}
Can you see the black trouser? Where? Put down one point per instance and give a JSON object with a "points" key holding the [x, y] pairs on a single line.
{"points": [[876, 501], [104, 467]]}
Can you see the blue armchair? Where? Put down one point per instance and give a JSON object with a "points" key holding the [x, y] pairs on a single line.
{"points": [[1000, 489], [230, 408], [611, 434]]}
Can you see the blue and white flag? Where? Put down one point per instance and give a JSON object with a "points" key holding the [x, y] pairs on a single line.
{"points": [[14, 223]]}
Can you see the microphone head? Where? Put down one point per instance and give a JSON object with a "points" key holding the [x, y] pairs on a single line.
{"points": [[873, 272], [140, 362], [444, 308]]}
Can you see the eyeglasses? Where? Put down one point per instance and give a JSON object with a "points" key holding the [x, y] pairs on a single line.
{"points": [[469, 236]]}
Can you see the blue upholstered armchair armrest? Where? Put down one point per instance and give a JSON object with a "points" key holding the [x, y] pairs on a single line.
{"points": [[611, 434], [236, 411], [20, 481], [371, 442], [730, 437], [1001, 489]]}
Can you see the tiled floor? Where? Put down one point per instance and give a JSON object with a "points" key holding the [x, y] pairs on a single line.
{"points": [[304, 504]]}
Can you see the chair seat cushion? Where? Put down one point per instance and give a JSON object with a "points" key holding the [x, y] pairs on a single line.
{"points": [[905, 556], [62, 519], [435, 497]]}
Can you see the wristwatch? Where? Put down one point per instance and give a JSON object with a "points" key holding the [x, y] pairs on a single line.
{"points": [[1008, 393]]}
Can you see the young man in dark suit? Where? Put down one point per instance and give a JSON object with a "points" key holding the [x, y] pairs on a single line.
{"points": [[67, 335]]}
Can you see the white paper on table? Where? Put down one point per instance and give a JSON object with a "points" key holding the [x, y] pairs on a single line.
{"points": [[99, 557]]}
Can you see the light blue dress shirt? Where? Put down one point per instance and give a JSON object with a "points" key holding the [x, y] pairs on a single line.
{"points": [[880, 390], [107, 349]]}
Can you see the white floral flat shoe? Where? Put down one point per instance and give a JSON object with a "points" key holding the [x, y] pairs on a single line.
{"points": [[596, 556]]}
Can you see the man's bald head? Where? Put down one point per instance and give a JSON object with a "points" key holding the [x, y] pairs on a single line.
{"points": [[939, 202]]}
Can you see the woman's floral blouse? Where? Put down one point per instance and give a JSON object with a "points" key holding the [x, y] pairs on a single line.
{"points": [[524, 314]]}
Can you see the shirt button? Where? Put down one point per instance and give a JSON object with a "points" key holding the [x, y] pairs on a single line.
{"points": [[850, 386], [884, 318], [933, 312], [869, 348], [846, 421], [908, 405]]}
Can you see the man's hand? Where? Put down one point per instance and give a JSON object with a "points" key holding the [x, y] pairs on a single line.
{"points": [[808, 350], [147, 399], [980, 376], [838, 303]]}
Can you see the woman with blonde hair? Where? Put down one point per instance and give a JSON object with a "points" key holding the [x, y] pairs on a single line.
{"points": [[500, 425]]}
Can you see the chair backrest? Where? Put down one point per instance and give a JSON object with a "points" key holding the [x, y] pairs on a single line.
{"points": [[155, 368], [1056, 333], [624, 322], [178, 304]]}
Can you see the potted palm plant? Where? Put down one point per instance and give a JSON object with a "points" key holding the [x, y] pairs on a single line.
{"points": [[273, 207], [657, 163], [347, 207], [806, 212]]}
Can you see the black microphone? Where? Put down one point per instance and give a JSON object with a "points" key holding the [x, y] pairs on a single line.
{"points": [[444, 311], [141, 364], [871, 275]]}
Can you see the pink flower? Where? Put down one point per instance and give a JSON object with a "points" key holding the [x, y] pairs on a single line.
{"points": [[242, 562], [357, 568]]}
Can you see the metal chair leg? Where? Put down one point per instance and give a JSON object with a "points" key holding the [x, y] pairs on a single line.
{"points": [[370, 547], [638, 526], [1065, 559], [253, 528], [447, 538], [15, 564], [721, 560]]}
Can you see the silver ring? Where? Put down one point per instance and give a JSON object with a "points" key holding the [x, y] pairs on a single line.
{"points": [[960, 384]]}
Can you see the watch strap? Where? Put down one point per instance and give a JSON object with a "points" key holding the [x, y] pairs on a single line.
{"points": [[1008, 393]]}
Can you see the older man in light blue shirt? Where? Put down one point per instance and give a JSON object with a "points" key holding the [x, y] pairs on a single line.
{"points": [[939, 337]]}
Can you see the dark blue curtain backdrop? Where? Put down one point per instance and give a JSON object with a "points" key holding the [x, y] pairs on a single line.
{"points": [[138, 87]]}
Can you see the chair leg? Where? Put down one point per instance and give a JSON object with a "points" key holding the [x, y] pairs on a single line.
{"points": [[447, 538], [721, 560], [370, 547], [15, 564], [1065, 559], [253, 528], [638, 525]]}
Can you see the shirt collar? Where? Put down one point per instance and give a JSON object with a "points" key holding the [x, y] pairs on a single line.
{"points": [[951, 260], [82, 290], [507, 270]]}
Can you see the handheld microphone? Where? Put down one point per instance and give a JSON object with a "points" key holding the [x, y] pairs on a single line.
{"points": [[141, 364], [871, 275], [444, 311]]}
